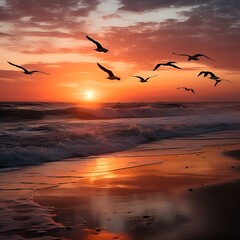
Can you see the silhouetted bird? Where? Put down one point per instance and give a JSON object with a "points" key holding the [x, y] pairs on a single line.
{"points": [[144, 80], [109, 72], [187, 89], [99, 46], [170, 64], [194, 57], [213, 77], [206, 73], [26, 71]]}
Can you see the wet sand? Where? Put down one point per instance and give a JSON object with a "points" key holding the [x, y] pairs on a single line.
{"points": [[142, 194], [181, 188]]}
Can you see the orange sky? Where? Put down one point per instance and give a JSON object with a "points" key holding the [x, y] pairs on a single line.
{"points": [[50, 36]]}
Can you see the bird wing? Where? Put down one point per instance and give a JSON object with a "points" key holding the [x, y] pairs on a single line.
{"points": [[192, 90], [141, 78], [217, 81], [157, 66], [181, 54], [18, 66], [202, 72], [202, 55], [150, 77], [226, 80], [172, 65], [210, 73], [109, 72], [94, 41], [39, 72]]}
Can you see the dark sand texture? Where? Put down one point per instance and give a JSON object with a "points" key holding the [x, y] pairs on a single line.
{"points": [[190, 196]]}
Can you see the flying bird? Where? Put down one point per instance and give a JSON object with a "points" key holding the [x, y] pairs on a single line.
{"points": [[171, 64], [144, 80], [187, 89], [194, 57], [99, 48], [109, 72], [213, 77], [206, 73], [27, 71]]}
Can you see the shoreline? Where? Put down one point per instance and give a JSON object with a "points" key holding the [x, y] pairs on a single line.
{"points": [[156, 190], [150, 201]]}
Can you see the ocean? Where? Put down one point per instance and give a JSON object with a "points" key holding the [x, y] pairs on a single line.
{"points": [[36, 132]]}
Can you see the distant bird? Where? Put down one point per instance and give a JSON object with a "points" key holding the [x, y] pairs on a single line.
{"points": [[213, 77], [187, 89], [25, 70], [109, 72], [171, 64], [99, 46], [144, 80], [206, 73], [194, 57]]}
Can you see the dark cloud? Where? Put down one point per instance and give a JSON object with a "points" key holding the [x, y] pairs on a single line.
{"points": [[143, 5], [54, 13], [212, 29], [5, 34]]}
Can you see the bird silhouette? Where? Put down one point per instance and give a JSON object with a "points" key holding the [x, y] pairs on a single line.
{"points": [[171, 64], [206, 73], [194, 57], [27, 71], [109, 72], [213, 77], [99, 48], [187, 89], [144, 80]]}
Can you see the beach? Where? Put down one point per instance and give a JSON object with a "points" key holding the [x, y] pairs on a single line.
{"points": [[119, 120], [179, 188]]}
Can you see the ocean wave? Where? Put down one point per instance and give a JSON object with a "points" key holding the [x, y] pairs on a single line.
{"points": [[56, 145], [30, 111], [55, 131]]}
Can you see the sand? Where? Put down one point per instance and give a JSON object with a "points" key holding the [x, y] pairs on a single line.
{"points": [[181, 196], [174, 189]]}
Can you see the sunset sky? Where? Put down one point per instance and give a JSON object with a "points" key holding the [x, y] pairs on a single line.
{"points": [[49, 35]]}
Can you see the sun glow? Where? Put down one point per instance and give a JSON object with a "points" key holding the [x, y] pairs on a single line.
{"points": [[89, 95]]}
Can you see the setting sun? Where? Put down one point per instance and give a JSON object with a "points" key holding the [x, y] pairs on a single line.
{"points": [[89, 95]]}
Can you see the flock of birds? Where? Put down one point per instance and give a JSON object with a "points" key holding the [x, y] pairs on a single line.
{"points": [[111, 75]]}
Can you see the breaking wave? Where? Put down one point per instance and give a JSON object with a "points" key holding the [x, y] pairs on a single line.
{"points": [[56, 131]]}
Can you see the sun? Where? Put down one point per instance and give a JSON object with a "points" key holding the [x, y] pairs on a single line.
{"points": [[89, 95]]}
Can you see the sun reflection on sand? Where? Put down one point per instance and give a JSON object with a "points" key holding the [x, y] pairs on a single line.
{"points": [[103, 235], [131, 195]]}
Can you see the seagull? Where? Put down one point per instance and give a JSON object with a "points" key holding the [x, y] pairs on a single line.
{"points": [[142, 80], [171, 64], [25, 70], [206, 73], [109, 72], [213, 77], [187, 89], [99, 46], [194, 57]]}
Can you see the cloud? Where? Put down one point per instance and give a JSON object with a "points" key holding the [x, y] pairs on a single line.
{"points": [[142, 5], [2, 34], [54, 27], [211, 29], [45, 14]]}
